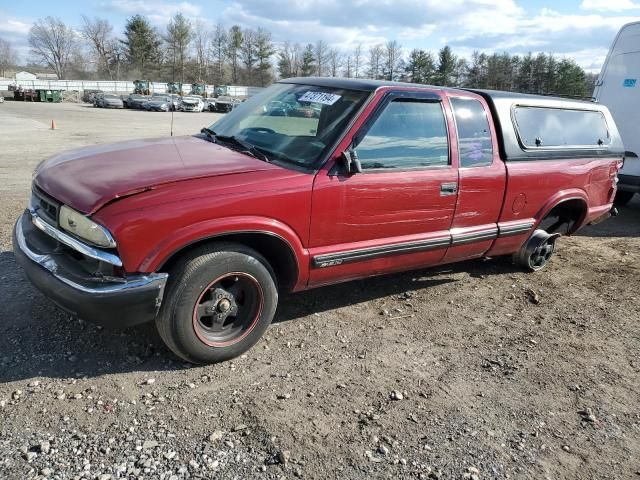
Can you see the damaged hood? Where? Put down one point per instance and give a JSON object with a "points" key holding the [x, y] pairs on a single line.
{"points": [[88, 178]]}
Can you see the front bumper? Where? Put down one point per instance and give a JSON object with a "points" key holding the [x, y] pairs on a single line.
{"points": [[106, 301]]}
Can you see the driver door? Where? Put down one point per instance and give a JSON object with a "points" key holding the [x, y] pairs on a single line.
{"points": [[397, 213]]}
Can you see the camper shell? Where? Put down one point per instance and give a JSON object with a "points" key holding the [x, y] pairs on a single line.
{"points": [[513, 145]]}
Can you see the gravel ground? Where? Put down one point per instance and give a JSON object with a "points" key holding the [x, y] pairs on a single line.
{"points": [[473, 371]]}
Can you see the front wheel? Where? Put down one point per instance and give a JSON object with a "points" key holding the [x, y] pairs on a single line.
{"points": [[220, 300]]}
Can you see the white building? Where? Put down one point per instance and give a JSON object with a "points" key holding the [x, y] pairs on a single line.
{"points": [[25, 76]]}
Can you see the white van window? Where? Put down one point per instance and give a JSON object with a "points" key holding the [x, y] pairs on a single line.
{"points": [[540, 127]]}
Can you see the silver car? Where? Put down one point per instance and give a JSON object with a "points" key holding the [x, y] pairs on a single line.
{"points": [[159, 104], [109, 101]]}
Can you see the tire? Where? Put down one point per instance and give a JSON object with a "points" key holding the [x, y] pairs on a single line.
{"points": [[537, 251], [220, 300], [622, 197]]}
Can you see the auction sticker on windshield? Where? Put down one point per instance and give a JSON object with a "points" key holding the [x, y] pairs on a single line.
{"points": [[320, 97]]}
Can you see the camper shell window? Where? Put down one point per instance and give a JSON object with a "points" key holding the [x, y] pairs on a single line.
{"points": [[541, 128]]}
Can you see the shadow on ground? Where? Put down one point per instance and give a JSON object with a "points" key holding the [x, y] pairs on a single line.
{"points": [[38, 339], [626, 224]]}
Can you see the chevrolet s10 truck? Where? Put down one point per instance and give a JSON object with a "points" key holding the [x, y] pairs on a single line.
{"points": [[202, 233]]}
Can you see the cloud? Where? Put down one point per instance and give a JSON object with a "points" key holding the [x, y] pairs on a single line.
{"points": [[157, 11], [609, 5], [13, 26]]}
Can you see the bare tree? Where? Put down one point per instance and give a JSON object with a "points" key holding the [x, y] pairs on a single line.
{"points": [[348, 67], [375, 61], [334, 58], [99, 34], [392, 56], [321, 55], [52, 42], [8, 57], [357, 60], [201, 42]]}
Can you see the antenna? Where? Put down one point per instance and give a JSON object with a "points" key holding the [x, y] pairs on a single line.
{"points": [[173, 80]]}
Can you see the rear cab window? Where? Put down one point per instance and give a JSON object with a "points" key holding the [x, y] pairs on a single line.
{"points": [[475, 144], [543, 127]]}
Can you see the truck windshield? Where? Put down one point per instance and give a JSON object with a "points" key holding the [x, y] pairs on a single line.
{"points": [[292, 123]]}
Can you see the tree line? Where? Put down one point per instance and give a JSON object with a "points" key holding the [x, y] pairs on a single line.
{"points": [[188, 52]]}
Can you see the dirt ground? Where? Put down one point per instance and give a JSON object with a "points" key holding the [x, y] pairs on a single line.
{"points": [[477, 370]]}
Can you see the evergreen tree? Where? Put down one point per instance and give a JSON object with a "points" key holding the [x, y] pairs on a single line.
{"points": [[218, 53], [234, 43], [178, 37], [141, 44], [307, 67], [264, 51], [446, 66], [421, 67]]}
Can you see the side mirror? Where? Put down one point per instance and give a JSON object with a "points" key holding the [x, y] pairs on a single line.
{"points": [[351, 161]]}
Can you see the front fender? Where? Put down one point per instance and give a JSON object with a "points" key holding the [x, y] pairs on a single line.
{"points": [[209, 229]]}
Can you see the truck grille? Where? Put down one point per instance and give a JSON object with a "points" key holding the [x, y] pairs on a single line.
{"points": [[46, 206]]}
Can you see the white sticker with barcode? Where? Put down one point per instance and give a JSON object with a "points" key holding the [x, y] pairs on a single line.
{"points": [[320, 97]]}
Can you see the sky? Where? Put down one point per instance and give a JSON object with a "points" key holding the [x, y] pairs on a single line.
{"points": [[578, 29]]}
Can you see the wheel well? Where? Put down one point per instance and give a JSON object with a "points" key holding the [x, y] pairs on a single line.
{"points": [[564, 217], [273, 248]]}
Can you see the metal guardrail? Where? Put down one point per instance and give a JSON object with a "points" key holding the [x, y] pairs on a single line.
{"points": [[112, 86]]}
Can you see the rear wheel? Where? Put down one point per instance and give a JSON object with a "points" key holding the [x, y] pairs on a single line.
{"points": [[537, 251], [622, 198], [220, 300]]}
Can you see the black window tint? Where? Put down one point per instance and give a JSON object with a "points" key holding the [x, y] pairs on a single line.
{"points": [[553, 127], [474, 135], [407, 134]]}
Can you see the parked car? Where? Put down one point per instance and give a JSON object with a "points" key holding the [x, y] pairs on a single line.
{"points": [[159, 104], [108, 101], [1, 98], [175, 101], [203, 233], [136, 101], [191, 103], [88, 96], [619, 89], [225, 104], [277, 108]]}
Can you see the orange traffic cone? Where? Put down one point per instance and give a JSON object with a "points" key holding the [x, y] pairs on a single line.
{"points": [[53, 124]]}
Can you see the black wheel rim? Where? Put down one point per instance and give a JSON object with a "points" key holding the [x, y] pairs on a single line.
{"points": [[228, 309], [541, 255]]}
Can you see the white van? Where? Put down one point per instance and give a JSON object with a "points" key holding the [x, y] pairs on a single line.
{"points": [[619, 89]]}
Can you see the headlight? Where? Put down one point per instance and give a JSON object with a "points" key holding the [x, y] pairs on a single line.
{"points": [[164, 105], [82, 227]]}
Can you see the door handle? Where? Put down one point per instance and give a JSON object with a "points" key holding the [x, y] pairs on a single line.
{"points": [[447, 189]]}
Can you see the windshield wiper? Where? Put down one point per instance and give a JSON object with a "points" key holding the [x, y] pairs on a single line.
{"points": [[211, 135], [246, 146]]}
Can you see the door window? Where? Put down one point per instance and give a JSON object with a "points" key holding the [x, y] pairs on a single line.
{"points": [[407, 134], [474, 136]]}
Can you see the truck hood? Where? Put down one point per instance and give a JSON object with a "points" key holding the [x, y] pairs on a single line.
{"points": [[88, 178]]}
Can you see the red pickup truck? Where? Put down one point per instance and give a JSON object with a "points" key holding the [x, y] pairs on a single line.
{"points": [[201, 233]]}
